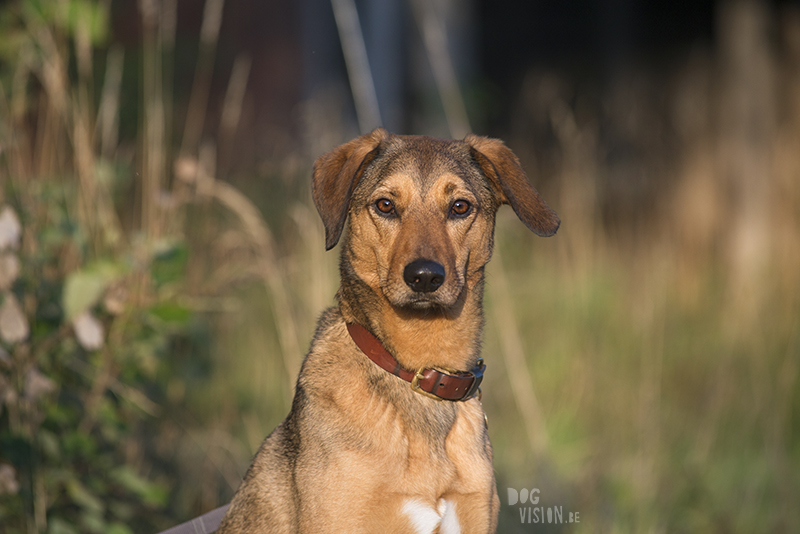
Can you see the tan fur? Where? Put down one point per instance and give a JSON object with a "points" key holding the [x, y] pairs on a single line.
{"points": [[359, 444]]}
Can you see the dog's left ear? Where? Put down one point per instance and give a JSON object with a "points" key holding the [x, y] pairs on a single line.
{"points": [[336, 175], [503, 170]]}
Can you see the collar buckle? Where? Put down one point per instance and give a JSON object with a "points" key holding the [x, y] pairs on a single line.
{"points": [[475, 388]]}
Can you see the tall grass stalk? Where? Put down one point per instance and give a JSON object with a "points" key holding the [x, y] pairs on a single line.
{"points": [[362, 85], [263, 243], [514, 359], [198, 99], [434, 36]]}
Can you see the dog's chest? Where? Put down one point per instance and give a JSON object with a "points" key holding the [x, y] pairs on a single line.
{"points": [[438, 480], [442, 458]]}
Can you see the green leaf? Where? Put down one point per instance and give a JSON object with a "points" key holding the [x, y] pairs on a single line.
{"points": [[84, 287], [84, 498], [57, 525], [156, 496], [118, 528], [11, 42], [151, 493], [59, 414], [93, 15], [169, 263], [78, 15], [121, 510], [171, 312], [78, 444], [49, 444], [93, 522]]}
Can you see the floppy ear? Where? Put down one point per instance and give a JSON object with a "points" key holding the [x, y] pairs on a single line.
{"points": [[502, 168], [336, 175]]}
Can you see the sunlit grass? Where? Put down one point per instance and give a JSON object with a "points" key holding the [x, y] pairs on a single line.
{"points": [[658, 416]]}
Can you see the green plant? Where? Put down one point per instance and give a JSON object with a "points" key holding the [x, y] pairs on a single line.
{"points": [[78, 346], [88, 310]]}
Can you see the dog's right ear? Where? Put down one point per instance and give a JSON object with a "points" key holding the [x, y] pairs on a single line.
{"points": [[336, 175], [502, 168]]}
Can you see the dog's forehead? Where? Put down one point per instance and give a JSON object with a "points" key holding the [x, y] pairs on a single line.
{"points": [[427, 156], [424, 160]]}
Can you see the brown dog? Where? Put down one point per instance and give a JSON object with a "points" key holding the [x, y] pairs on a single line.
{"points": [[363, 450]]}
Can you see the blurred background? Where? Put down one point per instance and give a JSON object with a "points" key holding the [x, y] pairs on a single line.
{"points": [[162, 265]]}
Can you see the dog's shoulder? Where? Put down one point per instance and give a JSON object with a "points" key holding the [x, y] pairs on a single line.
{"points": [[328, 323], [333, 362], [331, 351]]}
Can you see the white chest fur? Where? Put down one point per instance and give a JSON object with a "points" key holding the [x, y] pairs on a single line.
{"points": [[425, 519]]}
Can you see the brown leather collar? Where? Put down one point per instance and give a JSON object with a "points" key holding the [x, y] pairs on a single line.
{"points": [[460, 386]]}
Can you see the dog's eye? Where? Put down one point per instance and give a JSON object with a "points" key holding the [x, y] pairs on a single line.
{"points": [[384, 205], [460, 208]]}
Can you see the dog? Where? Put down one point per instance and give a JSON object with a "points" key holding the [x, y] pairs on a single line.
{"points": [[386, 432]]}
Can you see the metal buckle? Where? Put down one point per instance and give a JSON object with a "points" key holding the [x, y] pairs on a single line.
{"points": [[477, 373], [416, 387]]}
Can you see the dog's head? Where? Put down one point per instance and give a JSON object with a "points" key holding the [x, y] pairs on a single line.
{"points": [[421, 210]]}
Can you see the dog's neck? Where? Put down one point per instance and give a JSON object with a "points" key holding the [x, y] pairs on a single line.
{"points": [[438, 338]]}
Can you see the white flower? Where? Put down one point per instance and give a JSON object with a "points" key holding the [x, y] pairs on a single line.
{"points": [[13, 324], [10, 229], [89, 331]]}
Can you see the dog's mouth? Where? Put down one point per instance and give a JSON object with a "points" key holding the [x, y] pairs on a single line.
{"points": [[424, 304], [446, 300], [427, 309]]}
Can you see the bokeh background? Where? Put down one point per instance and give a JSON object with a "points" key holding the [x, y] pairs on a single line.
{"points": [[162, 265]]}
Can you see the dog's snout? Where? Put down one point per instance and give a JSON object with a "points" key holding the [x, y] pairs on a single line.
{"points": [[424, 276]]}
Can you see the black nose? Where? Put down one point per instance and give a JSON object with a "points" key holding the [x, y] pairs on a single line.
{"points": [[423, 276]]}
